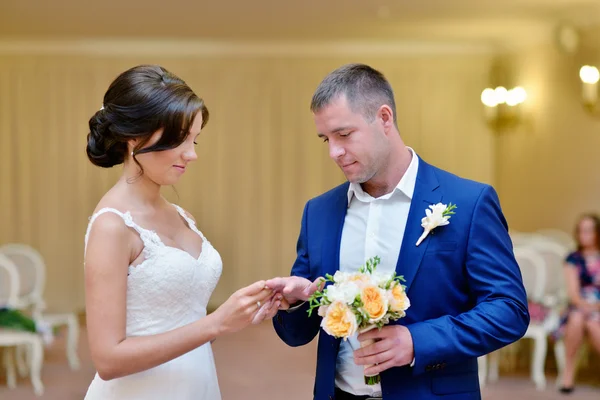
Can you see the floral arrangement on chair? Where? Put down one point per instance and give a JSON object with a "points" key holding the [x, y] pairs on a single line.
{"points": [[16, 320]]}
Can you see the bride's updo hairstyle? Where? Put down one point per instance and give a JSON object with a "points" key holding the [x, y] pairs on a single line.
{"points": [[138, 103]]}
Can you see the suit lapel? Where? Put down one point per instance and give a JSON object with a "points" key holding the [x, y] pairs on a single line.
{"points": [[424, 195], [333, 236]]}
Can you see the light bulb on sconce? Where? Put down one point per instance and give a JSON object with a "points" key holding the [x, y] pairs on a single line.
{"points": [[488, 98], [502, 106], [589, 76], [516, 96]]}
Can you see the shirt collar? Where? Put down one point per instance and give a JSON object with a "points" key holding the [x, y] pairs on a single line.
{"points": [[406, 184]]}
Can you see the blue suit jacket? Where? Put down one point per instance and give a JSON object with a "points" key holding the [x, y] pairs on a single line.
{"points": [[465, 288]]}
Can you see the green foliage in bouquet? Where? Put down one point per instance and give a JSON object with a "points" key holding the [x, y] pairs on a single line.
{"points": [[14, 319]]}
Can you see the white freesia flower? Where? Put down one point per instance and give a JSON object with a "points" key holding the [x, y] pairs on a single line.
{"points": [[345, 292], [340, 277], [355, 277], [436, 215], [380, 278]]}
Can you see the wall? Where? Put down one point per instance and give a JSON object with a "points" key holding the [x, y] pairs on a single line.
{"points": [[547, 170]]}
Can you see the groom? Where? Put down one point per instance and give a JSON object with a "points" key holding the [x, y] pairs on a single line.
{"points": [[465, 288]]}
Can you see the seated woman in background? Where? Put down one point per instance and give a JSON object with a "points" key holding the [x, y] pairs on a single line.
{"points": [[582, 270]]}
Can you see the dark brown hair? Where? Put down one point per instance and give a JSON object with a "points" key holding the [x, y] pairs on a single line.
{"points": [[139, 102]]}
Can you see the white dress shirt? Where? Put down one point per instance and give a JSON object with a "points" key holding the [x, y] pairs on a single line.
{"points": [[373, 227]]}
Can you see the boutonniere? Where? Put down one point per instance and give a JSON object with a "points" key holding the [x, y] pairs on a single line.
{"points": [[436, 215]]}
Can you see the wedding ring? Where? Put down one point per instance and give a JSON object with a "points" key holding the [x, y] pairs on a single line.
{"points": [[258, 304]]}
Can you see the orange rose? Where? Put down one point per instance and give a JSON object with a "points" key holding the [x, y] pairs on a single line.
{"points": [[399, 301], [339, 320], [375, 304]]}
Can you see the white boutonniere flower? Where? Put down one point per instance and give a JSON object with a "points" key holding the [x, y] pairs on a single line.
{"points": [[436, 215]]}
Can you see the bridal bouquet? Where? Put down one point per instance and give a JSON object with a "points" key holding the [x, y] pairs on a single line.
{"points": [[358, 302]]}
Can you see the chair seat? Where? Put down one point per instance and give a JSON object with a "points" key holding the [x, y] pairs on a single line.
{"points": [[58, 319], [11, 337]]}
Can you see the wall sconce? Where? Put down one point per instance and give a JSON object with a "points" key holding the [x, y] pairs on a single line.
{"points": [[502, 106], [589, 77]]}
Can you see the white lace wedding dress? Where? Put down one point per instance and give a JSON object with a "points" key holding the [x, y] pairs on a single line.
{"points": [[169, 289]]}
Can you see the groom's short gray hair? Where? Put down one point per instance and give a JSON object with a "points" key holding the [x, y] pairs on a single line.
{"points": [[365, 88]]}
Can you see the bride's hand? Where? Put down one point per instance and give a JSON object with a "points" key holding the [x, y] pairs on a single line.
{"points": [[269, 309], [241, 308]]}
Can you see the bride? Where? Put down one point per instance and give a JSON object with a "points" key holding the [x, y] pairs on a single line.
{"points": [[149, 271]]}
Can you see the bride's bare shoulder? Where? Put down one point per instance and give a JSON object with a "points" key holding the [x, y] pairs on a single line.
{"points": [[113, 199]]}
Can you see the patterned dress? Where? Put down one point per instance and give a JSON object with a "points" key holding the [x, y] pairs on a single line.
{"points": [[588, 270]]}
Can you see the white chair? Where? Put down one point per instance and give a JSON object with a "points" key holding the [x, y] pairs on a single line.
{"points": [[9, 339], [556, 298], [554, 255], [482, 370], [534, 272], [32, 271], [560, 237], [524, 238]]}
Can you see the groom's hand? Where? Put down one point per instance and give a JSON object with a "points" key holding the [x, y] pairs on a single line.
{"points": [[294, 288], [393, 347]]}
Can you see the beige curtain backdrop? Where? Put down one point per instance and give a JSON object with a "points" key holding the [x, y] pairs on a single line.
{"points": [[259, 157]]}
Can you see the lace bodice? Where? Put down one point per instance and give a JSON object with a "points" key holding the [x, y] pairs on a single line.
{"points": [[170, 288]]}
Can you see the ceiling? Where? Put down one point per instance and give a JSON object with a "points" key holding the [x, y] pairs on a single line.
{"points": [[483, 22]]}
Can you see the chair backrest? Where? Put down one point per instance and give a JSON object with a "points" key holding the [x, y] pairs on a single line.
{"points": [[32, 273], [9, 283], [560, 237], [522, 238], [554, 256], [533, 271]]}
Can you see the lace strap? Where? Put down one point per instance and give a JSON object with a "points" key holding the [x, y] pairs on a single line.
{"points": [[189, 221], [127, 219]]}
